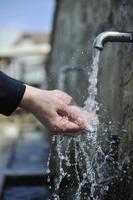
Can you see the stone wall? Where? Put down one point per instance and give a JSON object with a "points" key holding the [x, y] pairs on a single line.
{"points": [[76, 25]]}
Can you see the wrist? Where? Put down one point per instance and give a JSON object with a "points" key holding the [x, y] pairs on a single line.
{"points": [[28, 99]]}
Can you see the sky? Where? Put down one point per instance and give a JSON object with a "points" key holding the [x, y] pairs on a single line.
{"points": [[26, 15]]}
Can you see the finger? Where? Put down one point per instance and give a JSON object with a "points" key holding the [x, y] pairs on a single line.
{"points": [[74, 116], [66, 126]]}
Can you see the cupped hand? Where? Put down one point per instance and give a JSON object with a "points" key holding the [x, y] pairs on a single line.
{"points": [[53, 109]]}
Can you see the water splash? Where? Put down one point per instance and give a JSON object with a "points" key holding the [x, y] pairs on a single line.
{"points": [[89, 161], [91, 104]]}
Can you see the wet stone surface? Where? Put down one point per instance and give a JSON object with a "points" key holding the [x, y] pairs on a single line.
{"points": [[26, 177], [27, 193]]}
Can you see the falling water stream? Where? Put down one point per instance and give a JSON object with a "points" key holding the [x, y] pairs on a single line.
{"points": [[89, 162]]}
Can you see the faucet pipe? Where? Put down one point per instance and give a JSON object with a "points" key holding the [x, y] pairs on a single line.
{"points": [[112, 36], [62, 74], [67, 68]]}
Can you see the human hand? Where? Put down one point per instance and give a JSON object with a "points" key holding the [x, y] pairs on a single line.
{"points": [[90, 119], [53, 109]]}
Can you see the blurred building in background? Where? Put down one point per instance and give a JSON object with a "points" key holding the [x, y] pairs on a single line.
{"points": [[25, 58], [24, 47]]}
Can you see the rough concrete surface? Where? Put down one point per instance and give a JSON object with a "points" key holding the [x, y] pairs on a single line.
{"points": [[76, 25]]}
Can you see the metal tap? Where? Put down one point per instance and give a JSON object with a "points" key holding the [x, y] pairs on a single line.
{"points": [[63, 72], [112, 36]]}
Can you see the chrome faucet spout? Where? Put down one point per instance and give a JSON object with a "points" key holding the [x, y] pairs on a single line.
{"points": [[112, 36]]}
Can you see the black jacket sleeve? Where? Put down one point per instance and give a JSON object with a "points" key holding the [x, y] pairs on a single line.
{"points": [[11, 93]]}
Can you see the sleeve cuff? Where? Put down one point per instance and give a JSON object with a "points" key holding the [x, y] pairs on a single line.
{"points": [[11, 94]]}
